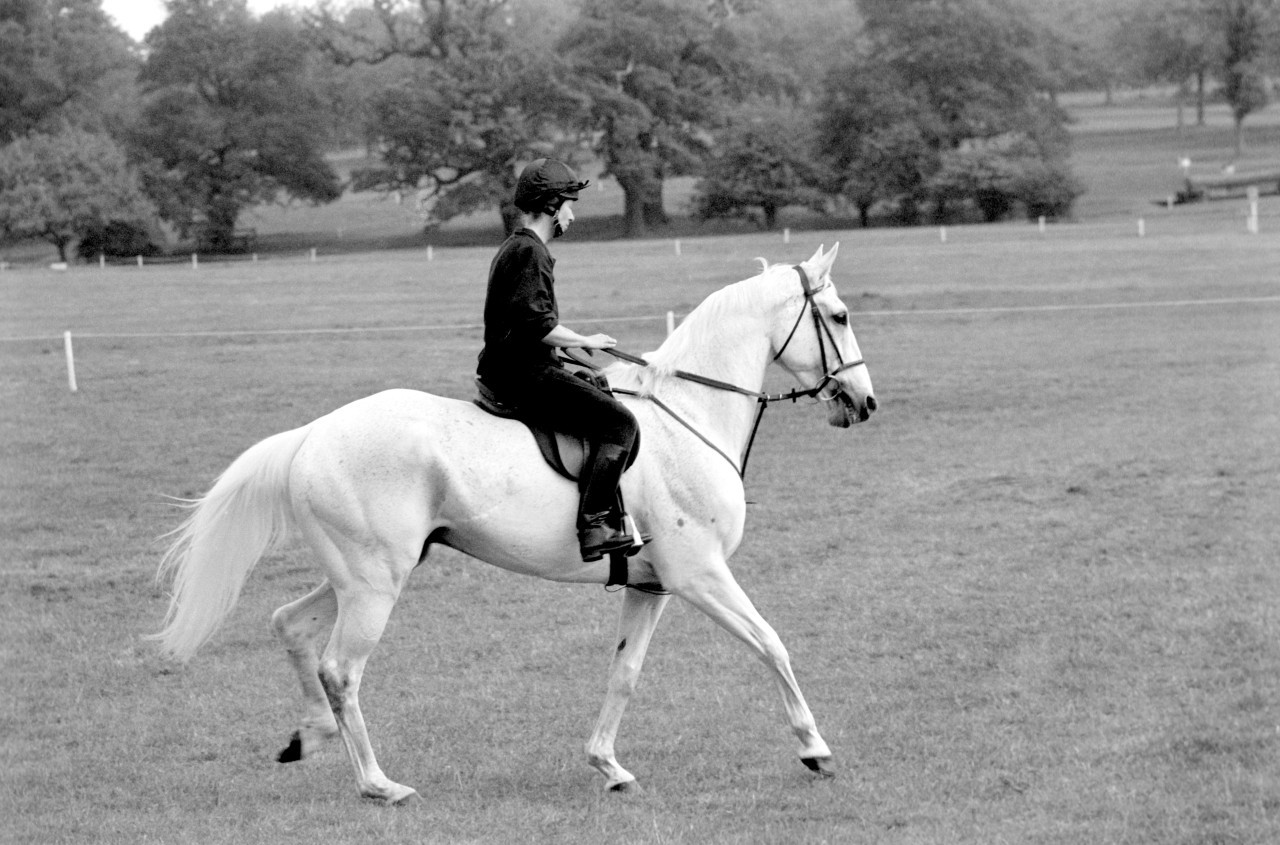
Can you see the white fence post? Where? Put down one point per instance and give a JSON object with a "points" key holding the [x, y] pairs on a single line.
{"points": [[71, 361]]}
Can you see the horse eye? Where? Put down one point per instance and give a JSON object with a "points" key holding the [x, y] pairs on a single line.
{"points": [[842, 319]]}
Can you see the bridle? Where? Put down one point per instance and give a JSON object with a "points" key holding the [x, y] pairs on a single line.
{"points": [[824, 334], [821, 329]]}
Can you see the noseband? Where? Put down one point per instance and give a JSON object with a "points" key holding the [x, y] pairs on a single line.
{"points": [[762, 399]]}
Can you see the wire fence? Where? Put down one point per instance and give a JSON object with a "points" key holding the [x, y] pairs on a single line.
{"points": [[1232, 215]]}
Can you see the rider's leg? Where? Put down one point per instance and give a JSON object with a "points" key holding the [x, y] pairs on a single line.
{"points": [[574, 406]]}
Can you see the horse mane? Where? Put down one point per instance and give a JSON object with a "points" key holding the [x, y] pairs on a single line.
{"points": [[746, 296]]}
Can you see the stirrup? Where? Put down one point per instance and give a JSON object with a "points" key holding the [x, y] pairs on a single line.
{"points": [[600, 537]]}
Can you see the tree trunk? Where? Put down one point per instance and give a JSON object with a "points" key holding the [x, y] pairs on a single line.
{"points": [[1200, 98], [633, 209], [770, 216], [642, 203], [61, 242], [218, 234], [1239, 135]]}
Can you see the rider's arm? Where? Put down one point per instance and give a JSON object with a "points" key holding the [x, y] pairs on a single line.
{"points": [[563, 337]]}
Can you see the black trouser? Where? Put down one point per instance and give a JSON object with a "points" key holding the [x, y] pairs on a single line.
{"points": [[555, 397]]}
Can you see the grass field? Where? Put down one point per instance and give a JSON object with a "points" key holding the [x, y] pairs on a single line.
{"points": [[1035, 599]]}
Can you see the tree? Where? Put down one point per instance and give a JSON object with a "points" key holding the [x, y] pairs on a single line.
{"points": [[879, 141], [1244, 26], [1171, 43], [937, 78], [474, 95], [229, 120], [656, 75], [763, 160], [61, 62], [1079, 41], [61, 187]]}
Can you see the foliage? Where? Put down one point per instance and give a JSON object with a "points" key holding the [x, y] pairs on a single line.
{"points": [[1170, 42], [61, 187], [762, 161], [120, 239], [61, 62], [1245, 26], [996, 180], [1078, 41], [456, 119], [936, 80], [229, 119], [656, 75]]}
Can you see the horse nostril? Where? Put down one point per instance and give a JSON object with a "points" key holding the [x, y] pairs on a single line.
{"points": [[871, 403]]}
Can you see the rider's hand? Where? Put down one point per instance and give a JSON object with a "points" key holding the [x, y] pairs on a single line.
{"points": [[598, 341]]}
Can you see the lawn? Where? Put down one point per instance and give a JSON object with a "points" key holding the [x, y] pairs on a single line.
{"points": [[1034, 599]]}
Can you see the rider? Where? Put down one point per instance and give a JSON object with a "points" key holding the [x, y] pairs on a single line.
{"points": [[520, 366]]}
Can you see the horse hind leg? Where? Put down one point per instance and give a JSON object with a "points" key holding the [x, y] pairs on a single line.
{"points": [[300, 625], [362, 616]]}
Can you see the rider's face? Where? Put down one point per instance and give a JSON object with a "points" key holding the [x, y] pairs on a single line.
{"points": [[563, 218]]}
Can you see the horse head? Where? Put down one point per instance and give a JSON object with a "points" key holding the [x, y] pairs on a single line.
{"points": [[813, 340]]}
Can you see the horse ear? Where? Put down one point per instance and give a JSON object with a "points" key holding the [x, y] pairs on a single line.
{"points": [[822, 261], [816, 258]]}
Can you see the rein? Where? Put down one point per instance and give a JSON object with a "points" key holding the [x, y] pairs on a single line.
{"points": [[762, 399]]}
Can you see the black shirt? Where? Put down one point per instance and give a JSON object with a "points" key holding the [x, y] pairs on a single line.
{"points": [[519, 310]]}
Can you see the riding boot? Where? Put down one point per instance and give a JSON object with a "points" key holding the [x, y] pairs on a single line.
{"points": [[601, 527]]}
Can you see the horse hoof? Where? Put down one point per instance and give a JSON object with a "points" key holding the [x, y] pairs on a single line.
{"points": [[627, 787], [292, 753], [396, 795], [821, 766], [409, 796]]}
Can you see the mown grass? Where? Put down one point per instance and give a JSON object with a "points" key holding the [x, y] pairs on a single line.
{"points": [[1033, 600]]}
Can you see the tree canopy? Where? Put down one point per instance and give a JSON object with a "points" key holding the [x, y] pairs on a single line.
{"points": [[62, 186], [947, 105], [61, 62], [656, 76], [229, 120], [897, 107]]}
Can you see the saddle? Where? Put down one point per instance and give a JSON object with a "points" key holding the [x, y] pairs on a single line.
{"points": [[564, 453]]}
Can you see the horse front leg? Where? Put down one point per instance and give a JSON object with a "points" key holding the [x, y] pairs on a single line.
{"points": [[716, 592], [640, 614], [299, 626]]}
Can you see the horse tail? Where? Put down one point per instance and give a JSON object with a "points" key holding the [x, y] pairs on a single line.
{"points": [[229, 529]]}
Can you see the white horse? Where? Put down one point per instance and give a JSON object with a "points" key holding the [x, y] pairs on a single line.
{"points": [[372, 485]]}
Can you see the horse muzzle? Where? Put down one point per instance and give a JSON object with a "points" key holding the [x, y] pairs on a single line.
{"points": [[843, 410]]}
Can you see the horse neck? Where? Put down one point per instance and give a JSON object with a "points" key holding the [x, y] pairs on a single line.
{"points": [[726, 339]]}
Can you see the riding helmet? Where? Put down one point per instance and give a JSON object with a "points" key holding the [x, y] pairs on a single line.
{"points": [[545, 181]]}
